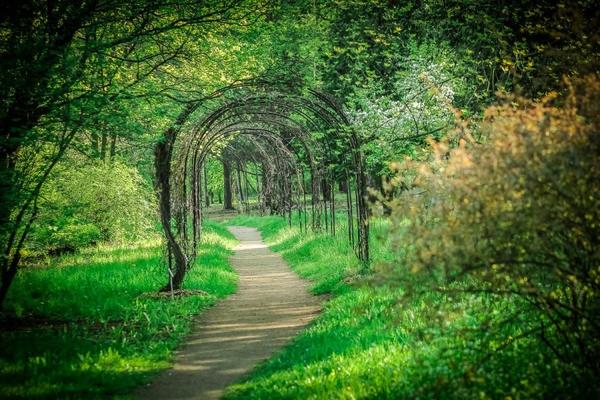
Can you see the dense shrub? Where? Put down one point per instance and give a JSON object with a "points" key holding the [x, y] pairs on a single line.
{"points": [[94, 202], [517, 216]]}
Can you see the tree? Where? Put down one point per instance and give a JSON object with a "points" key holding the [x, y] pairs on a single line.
{"points": [[227, 192], [64, 61]]}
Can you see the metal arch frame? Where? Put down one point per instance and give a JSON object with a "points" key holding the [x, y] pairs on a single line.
{"points": [[267, 112]]}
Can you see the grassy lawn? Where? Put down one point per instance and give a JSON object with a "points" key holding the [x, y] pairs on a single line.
{"points": [[370, 344], [100, 336]]}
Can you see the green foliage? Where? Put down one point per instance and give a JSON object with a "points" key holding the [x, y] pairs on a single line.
{"points": [[421, 104], [85, 82], [106, 336], [84, 204], [368, 343], [214, 176], [104, 80], [515, 217], [364, 46]]}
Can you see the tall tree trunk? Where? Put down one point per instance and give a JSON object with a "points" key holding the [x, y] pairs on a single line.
{"points": [[103, 146], [207, 199], [343, 185], [247, 189], [227, 196], [265, 188], [95, 145], [113, 147], [238, 189], [326, 189], [239, 182]]}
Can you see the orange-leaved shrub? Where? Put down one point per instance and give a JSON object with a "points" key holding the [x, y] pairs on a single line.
{"points": [[515, 213]]}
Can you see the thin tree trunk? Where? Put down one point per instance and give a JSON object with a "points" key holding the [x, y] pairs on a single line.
{"points": [[113, 147], [95, 145], [266, 188], [259, 193], [247, 189], [207, 199], [333, 219], [227, 196], [238, 189], [103, 146], [350, 213], [326, 189], [12, 254], [9, 273], [239, 183]]}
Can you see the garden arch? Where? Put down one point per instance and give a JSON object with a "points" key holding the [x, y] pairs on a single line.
{"points": [[291, 132]]}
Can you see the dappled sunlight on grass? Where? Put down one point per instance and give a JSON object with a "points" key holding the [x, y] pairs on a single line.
{"points": [[110, 252], [285, 235], [324, 259], [100, 336]]}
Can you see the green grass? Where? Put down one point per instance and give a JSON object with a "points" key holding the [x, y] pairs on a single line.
{"points": [[370, 344], [113, 339], [307, 253]]}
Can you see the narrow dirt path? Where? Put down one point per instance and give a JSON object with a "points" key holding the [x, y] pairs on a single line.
{"points": [[271, 305]]}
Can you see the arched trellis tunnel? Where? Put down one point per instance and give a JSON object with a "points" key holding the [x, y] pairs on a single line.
{"points": [[304, 145]]}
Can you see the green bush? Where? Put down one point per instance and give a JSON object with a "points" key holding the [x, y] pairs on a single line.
{"points": [[514, 217], [69, 237], [79, 206]]}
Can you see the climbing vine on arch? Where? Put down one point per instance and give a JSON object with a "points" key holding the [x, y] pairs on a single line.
{"points": [[280, 129]]}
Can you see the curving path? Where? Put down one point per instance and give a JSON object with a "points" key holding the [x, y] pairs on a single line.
{"points": [[270, 306]]}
